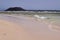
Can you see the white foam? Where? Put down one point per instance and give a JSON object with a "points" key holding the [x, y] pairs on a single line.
{"points": [[41, 17]]}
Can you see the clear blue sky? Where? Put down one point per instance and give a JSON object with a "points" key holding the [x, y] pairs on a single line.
{"points": [[31, 4]]}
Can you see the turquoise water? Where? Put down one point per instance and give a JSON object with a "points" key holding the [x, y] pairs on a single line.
{"points": [[50, 16]]}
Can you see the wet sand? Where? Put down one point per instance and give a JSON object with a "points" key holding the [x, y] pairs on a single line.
{"points": [[26, 28]]}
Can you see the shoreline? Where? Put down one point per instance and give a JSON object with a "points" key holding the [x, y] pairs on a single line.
{"points": [[26, 28]]}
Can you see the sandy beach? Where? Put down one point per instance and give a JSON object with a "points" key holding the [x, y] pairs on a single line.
{"points": [[27, 28]]}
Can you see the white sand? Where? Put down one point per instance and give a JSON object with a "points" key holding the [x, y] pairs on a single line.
{"points": [[12, 31], [27, 29]]}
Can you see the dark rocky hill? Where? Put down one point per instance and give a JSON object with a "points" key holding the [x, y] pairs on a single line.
{"points": [[15, 9]]}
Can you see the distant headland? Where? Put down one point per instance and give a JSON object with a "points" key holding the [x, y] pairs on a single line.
{"points": [[22, 9]]}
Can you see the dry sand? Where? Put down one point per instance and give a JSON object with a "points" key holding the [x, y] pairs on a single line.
{"points": [[12, 31], [30, 29]]}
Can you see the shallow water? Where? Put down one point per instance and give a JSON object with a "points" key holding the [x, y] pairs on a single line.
{"points": [[33, 28]]}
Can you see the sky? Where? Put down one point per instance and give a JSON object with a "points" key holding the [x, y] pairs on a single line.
{"points": [[31, 4]]}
